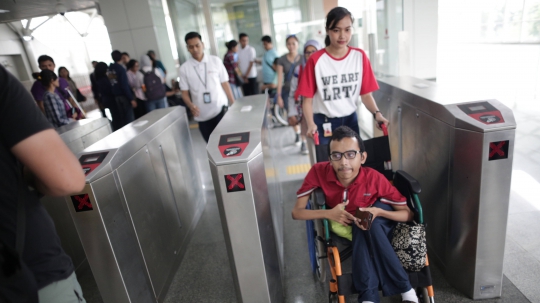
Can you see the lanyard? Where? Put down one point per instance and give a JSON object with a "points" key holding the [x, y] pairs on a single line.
{"points": [[205, 75]]}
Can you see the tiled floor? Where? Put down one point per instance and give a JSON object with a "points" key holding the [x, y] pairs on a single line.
{"points": [[205, 276]]}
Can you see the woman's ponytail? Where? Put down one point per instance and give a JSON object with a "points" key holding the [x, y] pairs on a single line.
{"points": [[327, 40]]}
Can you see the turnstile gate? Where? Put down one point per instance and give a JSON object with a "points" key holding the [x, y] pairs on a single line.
{"points": [[248, 199], [461, 152], [77, 135], [141, 202]]}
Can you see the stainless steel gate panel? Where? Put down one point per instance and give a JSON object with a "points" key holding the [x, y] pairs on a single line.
{"points": [[427, 144], [149, 215], [249, 230], [80, 134], [448, 144], [144, 205], [77, 136], [477, 227], [252, 218], [111, 246]]}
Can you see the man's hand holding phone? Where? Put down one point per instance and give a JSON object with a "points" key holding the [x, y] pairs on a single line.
{"points": [[364, 217]]}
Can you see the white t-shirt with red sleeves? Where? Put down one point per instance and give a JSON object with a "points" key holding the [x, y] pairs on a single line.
{"points": [[336, 84]]}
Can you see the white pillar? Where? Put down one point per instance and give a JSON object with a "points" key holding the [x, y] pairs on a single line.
{"points": [[136, 26]]}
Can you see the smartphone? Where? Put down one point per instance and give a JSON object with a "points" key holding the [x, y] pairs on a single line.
{"points": [[365, 218]]}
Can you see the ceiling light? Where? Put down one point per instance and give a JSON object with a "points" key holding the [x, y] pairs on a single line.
{"points": [[3, 11]]}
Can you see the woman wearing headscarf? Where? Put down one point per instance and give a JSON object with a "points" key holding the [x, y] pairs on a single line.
{"points": [[155, 97], [295, 101]]}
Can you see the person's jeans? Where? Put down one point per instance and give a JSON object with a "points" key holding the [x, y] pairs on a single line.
{"points": [[350, 121], [237, 94], [150, 105], [63, 291]]}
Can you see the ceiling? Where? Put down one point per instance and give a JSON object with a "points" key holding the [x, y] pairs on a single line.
{"points": [[25, 9]]}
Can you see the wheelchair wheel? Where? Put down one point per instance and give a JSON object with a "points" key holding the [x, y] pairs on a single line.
{"points": [[333, 297], [281, 115], [423, 296], [320, 252], [311, 239]]}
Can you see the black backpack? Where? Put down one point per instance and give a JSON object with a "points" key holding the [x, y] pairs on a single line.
{"points": [[154, 88]]}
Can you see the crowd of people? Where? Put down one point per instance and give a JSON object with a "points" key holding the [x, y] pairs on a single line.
{"points": [[320, 87]]}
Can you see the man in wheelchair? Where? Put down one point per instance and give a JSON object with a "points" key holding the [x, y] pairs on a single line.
{"points": [[375, 265]]}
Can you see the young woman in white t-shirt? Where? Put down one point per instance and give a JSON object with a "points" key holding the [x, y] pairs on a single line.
{"points": [[335, 77]]}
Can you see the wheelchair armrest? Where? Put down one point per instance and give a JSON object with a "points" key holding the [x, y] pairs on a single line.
{"points": [[402, 176], [318, 198]]}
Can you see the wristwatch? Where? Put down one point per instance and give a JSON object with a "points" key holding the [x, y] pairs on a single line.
{"points": [[375, 113]]}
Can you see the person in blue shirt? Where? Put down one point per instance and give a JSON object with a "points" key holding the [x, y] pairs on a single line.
{"points": [[268, 71], [123, 95]]}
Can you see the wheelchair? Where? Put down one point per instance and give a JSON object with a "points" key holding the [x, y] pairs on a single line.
{"points": [[277, 116], [323, 244]]}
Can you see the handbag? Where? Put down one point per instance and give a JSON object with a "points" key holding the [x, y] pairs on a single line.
{"points": [[409, 243]]}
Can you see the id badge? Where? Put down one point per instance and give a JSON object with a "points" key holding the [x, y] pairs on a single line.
{"points": [[327, 127], [206, 98]]}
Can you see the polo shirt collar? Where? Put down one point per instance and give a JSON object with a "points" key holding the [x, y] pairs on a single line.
{"points": [[331, 176], [204, 60]]}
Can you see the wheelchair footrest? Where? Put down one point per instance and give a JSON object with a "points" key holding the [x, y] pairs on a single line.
{"points": [[420, 278], [345, 284]]}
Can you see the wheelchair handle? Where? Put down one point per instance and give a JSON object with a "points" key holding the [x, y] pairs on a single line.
{"points": [[384, 128]]}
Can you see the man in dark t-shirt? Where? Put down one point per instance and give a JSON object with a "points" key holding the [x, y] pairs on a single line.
{"points": [[50, 168]]}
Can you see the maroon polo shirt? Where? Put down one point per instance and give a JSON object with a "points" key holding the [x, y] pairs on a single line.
{"points": [[368, 186]]}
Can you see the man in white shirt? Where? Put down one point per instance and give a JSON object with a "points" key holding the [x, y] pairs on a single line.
{"points": [[204, 83], [246, 63]]}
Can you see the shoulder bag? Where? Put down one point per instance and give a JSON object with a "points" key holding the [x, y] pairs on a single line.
{"points": [[409, 243]]}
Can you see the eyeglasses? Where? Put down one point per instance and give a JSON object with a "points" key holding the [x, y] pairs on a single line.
{"points": [[309, 53], [349, 155]]}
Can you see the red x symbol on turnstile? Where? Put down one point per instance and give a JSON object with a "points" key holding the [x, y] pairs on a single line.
{"points": [[496, 148], [235, 181], [84, 201]]}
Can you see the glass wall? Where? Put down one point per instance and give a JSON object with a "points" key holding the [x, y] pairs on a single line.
{"points": [[84, 38], [510, 21], [304, 18], [187, 16], [296, 17], [238, 17]]}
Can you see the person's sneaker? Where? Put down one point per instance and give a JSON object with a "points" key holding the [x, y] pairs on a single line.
{"points": [[297, 139], [303, 149]]}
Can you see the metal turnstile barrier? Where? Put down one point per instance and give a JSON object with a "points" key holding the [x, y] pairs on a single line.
{"points": [[77, 136], [461, 152], [248, 198], [143, 198]]}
